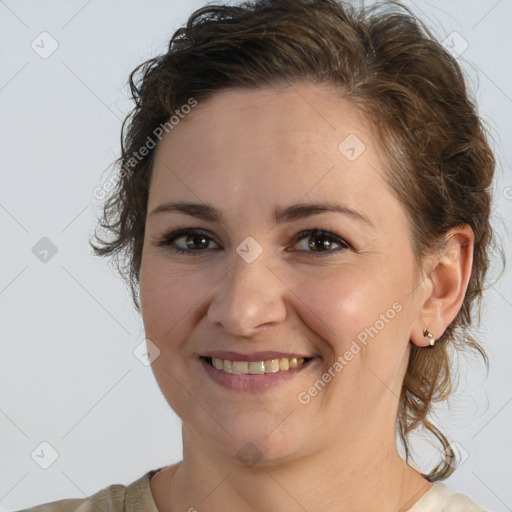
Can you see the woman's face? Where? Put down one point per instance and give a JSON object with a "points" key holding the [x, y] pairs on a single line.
{"points": [[256, 285]]}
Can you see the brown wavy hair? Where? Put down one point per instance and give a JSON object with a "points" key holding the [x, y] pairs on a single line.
{"points": [[385, 61]]}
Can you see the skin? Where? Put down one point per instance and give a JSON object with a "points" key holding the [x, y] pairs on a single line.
{"points": [[247, 153]]}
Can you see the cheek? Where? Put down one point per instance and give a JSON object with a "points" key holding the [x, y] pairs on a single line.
{"points": [[170, 303], [352, 304], [340, 307], [170, 297]]}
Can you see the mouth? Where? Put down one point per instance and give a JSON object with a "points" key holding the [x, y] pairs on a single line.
{"points": [[254, 372], [263, 367]]}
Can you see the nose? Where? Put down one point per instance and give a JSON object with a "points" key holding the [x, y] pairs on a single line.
{"points": [[249, 298]]}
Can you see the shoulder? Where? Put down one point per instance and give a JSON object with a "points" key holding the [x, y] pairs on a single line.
{"points": [[114, 498], [110, 499], [461, 503], [440, 498]]}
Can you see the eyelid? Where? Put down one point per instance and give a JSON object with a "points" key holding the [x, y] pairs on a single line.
{"points": [[326, 234], [170, 237], [177, 233]]}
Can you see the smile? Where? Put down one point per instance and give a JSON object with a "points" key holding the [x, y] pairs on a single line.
{"points": [[282, 364]]}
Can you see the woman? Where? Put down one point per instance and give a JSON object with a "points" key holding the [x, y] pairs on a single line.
{"points": [[303, 216]]}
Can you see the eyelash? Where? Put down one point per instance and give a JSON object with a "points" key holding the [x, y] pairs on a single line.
{"points": [[170, 238]]}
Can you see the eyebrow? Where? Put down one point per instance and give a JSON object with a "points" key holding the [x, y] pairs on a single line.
{"points": [[285, 214]]}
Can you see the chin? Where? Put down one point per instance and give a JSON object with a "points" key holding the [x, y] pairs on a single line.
{"points": [[256, 439]]}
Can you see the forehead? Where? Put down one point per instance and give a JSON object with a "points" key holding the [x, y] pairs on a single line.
{"points": [[293, 116], [264, 146]]}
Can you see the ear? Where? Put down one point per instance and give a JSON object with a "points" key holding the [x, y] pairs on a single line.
{"points": [[445, 285]]}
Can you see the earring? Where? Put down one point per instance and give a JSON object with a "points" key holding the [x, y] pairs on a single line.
{"points": [[430, 336]]}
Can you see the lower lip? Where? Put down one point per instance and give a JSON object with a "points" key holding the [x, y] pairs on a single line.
{"points": [[251, 382]]}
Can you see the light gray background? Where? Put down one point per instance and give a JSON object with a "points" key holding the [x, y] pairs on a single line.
{"points": [[68, 375]]}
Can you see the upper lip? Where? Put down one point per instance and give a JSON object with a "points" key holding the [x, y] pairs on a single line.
{"points": [[255, 356]]}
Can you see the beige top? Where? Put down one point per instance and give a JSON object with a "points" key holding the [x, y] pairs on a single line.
{"points": [[137, 497]]}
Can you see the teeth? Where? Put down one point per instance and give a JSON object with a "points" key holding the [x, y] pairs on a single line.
{"points": [[239, 367], [257, 367], [272, 365]]}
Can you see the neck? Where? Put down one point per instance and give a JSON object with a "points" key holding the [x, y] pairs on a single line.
{"points": [[360, 476]]}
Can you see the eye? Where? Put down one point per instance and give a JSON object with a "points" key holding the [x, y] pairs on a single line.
{"points": [[195, 241], [187, 241], [320, 243]]}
